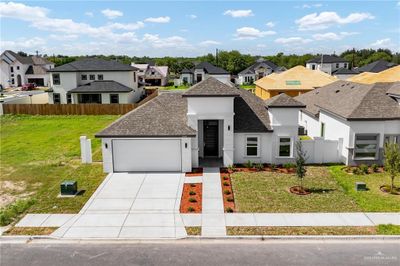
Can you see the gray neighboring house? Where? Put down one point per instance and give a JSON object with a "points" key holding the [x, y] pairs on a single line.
{"points": [[151, 75], [375, 67], [201, 72], [362, 117], [344, 73], [258, 70], [94, 80], [327, 63]]}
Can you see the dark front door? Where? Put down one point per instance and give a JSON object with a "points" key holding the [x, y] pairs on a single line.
{"points": [[211, 138]]}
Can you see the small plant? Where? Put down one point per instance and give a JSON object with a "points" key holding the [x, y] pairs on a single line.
{"points": [[374, 168], [363, 169], [190, 209], [229, 209], [259, 167], [193, 185], [192, 193], [231, 168], [230, 199], [249, 164], [392, 162], [301, 159], [226, 184], [192, 200], [227, 192], [226, 178], [355, 171], [273, 166], [289, 165], [11, 212]]}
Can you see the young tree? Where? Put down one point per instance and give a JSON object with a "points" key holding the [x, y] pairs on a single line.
{"points": [[392, 161], [301, 159]]}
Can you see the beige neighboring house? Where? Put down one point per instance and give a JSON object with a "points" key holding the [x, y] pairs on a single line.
{"points": [[389, 75], [152, 75]]}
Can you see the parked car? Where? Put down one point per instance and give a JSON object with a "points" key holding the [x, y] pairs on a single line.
{"points": [[28, 87]]}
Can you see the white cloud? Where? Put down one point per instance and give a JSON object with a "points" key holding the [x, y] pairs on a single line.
{"points": [[384, 43], [112, 14], [249, 33], [89, 14], [239, 13], [32, 44], [270, 24], [192, 16], [209, 43], [158, 19], [126, 26], [292, 40], [324, 20], [169, 42], [64, 37], [21, 11], [306, 6], [261, 45], [331, 36]]}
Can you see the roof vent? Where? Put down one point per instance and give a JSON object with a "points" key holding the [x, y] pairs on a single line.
{"points": [[337, 91], [342, 85], [352, 87]]}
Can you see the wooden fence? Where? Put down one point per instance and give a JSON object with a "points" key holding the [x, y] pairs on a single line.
{"points": [[73, 109]]}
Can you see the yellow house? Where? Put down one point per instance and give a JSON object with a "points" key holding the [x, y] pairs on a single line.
{"points": [[388, 75], [293, 82]]}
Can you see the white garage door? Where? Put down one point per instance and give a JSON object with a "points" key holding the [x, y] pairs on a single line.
{"points": [[146, 155]]}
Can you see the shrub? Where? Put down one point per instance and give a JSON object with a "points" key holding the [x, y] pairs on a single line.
{"points": [[190, 209], [226, 184], [229, 209], [192, 200], [231, 168], [364, 169], [230, 199], [374, 168], [227, 192], [301, 159], [289, 165], [249, 164], [259, 166], [192, 193], [11, 212], [273, 166], [392, 161], [355, 171]]}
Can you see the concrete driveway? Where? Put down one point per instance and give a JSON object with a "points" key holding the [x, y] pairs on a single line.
{"points": [[131, 205]]}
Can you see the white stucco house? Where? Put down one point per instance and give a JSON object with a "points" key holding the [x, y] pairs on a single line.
{"points": [[152, 75], [362, 117], [212, 120], [16, 70], [201, 72], [327, 63], [93, 80], [258, 70]]}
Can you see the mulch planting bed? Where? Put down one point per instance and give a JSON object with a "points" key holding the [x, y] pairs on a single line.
{"points": [[195, 172], [386, 189], [227, 192], [191, 203], [266, 167], [298, 190], [356, 170]]}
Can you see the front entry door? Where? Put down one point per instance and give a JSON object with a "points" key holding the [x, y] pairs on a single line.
{"points": [[210, 138]]}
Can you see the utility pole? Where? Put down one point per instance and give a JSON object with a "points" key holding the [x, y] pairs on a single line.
{"points": [[216, 56]]}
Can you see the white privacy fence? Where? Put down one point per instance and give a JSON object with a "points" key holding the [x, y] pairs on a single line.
{"points": [[320, 150]]}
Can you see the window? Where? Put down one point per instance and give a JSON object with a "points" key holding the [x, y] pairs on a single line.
{"points": [[114, 98], [322, 130], [100, 77], [56, 98], [345, 65], [56, 79], [285, 147], [92, 77], [392, 139], [366, 147], [89, 98], [17, 67], [252, 146], [313, 67], [11, 69], [69, 98], [337, 65], [134, 76], [199, 77], [12, 81], [83, 77]]}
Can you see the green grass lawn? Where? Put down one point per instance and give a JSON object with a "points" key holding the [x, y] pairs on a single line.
{"points": [[269, 192], [248, 87], [180, 87], [372, 200], [38, 152]]}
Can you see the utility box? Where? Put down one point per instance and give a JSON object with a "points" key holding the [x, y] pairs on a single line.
{"points": [[361, 186], [69, 188]]}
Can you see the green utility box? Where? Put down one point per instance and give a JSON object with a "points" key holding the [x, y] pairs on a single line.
{"points": [[361, 186], [69, 188]]}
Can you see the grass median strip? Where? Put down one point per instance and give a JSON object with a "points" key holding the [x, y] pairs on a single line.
{"points": [[193, 230], [32, 231]]}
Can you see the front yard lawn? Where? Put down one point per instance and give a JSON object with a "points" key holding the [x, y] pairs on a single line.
{"points": [[269, 192], [38, 152], [372, 200]]}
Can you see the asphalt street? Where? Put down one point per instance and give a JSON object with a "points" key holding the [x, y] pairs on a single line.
{"points": [[227, 252]]}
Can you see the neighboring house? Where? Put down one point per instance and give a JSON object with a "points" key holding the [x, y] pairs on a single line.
{"points": [[389, 75], [212, 121], [201, 72], [361, 117], [367, 70], [93, 80], [344, 73], [375, 67], [293, 82], [258, 70], [327, 63], [16, 70], [152, 75]]}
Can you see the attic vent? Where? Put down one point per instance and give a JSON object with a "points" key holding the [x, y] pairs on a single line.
{"points": [[337, 91]]}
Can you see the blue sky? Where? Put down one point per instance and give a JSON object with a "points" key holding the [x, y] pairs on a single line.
{"points": [[191, 28]]}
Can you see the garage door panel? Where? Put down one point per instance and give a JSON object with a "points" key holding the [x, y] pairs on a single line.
{"points": [[146, 155]]}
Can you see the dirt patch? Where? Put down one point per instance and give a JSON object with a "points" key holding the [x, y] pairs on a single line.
{"points": [[12, 186], [191, 201]]}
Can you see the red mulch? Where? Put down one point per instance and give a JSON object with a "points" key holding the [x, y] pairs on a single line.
{"points": [[225, 178], [195, 172], [267, 169], [185, 203]]}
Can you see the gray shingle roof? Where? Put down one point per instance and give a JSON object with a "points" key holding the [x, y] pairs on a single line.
{"points": [[327, 59], [23, 59], [251, 69], [283, 101], [93, 64], [102, 86], [395, 89], [353, 101], [345, 71], [376, 66], [36, 70], [211, 69], [211, 87]]}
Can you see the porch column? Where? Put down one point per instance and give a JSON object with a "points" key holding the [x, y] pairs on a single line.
{"points": [[193, 123], [228, 149]]}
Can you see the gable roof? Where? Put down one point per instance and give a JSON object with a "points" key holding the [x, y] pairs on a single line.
{"points": [[38, 60], [36, 70], [296, 78], [353, 101], [163, 70], [93, 64], [327, 59], [211, 87], [211, 69], [376, 66], [102, 86], [389, 75], [251, 69], [27, 60], [283, 101]]}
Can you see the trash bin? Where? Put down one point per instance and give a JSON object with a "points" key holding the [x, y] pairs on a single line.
{"points": [[69, 188]]}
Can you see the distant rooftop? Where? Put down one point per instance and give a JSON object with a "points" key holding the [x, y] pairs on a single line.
{"points": [[93, 64]]}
